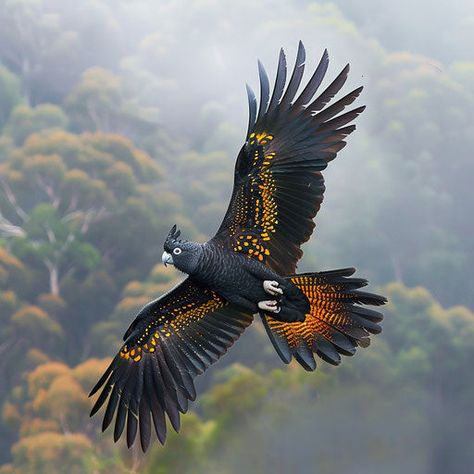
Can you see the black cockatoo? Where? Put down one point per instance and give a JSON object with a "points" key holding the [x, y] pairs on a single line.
{"points": [[248, 267]]}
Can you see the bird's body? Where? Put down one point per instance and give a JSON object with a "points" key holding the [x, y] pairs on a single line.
{"points": [[249, 267], [234, 276], [239, 279]]}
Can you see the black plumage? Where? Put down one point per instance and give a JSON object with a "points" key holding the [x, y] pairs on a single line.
{"points": [[278, 190]]}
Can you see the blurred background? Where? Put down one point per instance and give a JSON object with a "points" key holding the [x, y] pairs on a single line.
{"points": [[120, 118]]}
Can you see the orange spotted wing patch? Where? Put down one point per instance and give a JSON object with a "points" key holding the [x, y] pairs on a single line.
{"points": [[173, 319], [172, 340], [278, 185], [335, 325]]}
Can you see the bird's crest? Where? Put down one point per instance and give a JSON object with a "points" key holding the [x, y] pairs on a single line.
{"points": [[173, 238]]}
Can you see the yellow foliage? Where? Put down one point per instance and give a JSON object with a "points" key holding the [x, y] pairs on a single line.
{"points": [[51, 303], [120, 168], [90, 371], [34, 319], [160, 274], [123, 150], [35, 357], [121, 175], [461, 313], [8, 302], [99, 76], [147, 164], [98, 186], [51, 164], [134, 288], [39, 401], [154, 290], [8, 297], [137, 292], [240, 394], [38, 425], [50, 452], [32, 312], [101, 139], [77, 177], [55, 139], [63, 398], [397, 291], [43, 375]]}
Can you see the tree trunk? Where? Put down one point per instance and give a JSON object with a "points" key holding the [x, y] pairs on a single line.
{"points": [[53, 280]]}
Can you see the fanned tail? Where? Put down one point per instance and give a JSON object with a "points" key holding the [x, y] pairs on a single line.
{"points": [[336, 323]]}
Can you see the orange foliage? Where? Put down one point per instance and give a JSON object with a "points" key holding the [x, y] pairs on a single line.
{"points": [[34, 358], [34, 319], [9, 297], [52, 304], [64, 401], [50, 164], [46, 451], [134, 288], [8, 302], [130, 305], [8, 260], [43, 375], [10, 414], [34, 426], [55, 140], [89, 372]]}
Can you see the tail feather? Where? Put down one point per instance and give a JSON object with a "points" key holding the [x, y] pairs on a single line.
{"points": [[334, 325]]}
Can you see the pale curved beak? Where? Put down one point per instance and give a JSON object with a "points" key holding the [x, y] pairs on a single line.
{"points": [[167, 258]]}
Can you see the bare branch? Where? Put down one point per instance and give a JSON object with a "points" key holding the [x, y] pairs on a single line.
{"points": [[95, 217], [10, 230], [67, 243], [50, 234], [49, 190], [91, 216], [12, 200], [72, 204]]}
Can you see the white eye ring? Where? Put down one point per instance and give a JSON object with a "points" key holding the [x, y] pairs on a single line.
{"points": [[177, 251]]}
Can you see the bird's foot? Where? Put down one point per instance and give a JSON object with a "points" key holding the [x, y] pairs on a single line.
{"points": [[270, 306], [272, 287]]}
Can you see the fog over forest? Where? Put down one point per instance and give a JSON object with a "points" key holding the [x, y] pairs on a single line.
{"points": [[120, 118]]}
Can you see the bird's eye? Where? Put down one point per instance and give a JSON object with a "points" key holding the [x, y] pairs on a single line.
{"points": [[177, 251]]}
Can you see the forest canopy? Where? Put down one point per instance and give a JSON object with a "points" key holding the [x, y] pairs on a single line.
{"points": [[119, 119]]}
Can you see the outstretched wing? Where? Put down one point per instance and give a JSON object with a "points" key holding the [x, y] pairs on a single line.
{"points": [[278, 185], [172, 340]]}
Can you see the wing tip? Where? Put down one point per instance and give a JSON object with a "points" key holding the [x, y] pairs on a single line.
{"points": [[302, 52], [250, 93]]}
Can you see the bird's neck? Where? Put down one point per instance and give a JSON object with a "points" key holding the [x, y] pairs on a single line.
{"points": [[210, 262]]}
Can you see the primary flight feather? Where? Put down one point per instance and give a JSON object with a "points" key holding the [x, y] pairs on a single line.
{"points": [[249, 266]]}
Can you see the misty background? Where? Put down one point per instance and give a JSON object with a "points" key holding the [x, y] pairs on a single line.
{"points": [[120, 118]]}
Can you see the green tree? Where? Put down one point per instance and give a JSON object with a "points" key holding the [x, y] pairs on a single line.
{"points": [[56, 434], [10, 94], [58, 186], [25, 120], [48, 44], [99, 103]]}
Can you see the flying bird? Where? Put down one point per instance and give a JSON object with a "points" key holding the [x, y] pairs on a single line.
{"points": [[248, 268]]}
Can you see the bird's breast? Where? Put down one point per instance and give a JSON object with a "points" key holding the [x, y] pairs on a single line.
{"points": [[225, 271]]}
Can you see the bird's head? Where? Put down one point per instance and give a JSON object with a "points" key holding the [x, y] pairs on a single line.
{"points": [[182, 254]]}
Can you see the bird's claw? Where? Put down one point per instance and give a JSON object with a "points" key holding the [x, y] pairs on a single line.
{"points": [[272, 287], [270, 306]]}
